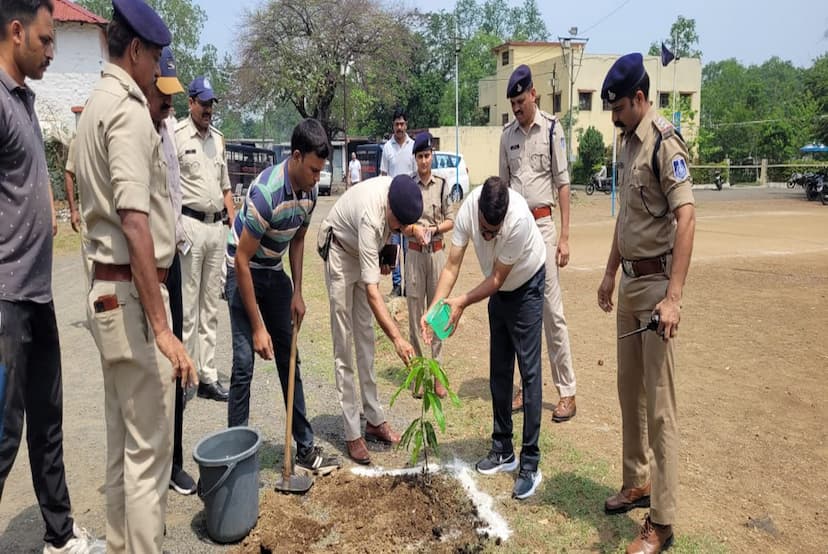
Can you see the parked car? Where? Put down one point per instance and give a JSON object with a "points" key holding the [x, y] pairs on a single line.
{"points": [[325, 179], [445, 165]]}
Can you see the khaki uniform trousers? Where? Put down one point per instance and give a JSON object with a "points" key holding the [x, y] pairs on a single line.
{"points": [[647, 394], [422, 271], [554, 322], [201, 281], [351, 316], [138, 406]]}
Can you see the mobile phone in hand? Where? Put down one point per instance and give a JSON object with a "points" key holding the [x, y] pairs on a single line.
{"points": [[389, 255]]}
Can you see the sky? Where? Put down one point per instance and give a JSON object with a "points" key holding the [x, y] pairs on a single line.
{"points": [[794, 30]]}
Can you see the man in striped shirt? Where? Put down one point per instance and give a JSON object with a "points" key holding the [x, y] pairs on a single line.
{"points": [[262, 299]]}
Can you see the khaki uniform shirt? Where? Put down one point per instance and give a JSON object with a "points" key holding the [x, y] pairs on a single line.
{"points": [[360, 225], [437, 206], [203, 163], [120, 166], [641, 234], [525, 161]]}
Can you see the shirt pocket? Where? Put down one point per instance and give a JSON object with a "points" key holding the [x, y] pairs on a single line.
{"points": [[514, 160], [539, 161]]}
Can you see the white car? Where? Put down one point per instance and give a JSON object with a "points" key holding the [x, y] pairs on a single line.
{"points": [[445, 165], [325, 180]]}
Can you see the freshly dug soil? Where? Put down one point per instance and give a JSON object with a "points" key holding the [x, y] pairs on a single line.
{"points": [[349, 513]]}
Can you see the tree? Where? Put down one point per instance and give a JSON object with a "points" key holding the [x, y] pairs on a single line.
{"points": [[816, 81], [295, 53], [590, 153], [683, 40]]}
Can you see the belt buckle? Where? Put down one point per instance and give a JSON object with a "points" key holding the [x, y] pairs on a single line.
{"points": [[627, 265]]}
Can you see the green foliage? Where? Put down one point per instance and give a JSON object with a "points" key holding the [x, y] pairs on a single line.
{"points": [[760, 111], [424, 373], [590, 155], [683, 40], [816, 82], [56, 153]]}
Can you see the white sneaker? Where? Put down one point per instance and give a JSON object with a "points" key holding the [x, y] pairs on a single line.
{"points": [[82, 543]]}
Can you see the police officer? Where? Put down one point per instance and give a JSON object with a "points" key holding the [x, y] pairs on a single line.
{"points": [[122, 174], [533, 163], [207, 202], [652, 243], [350, 240], [427, 256]]}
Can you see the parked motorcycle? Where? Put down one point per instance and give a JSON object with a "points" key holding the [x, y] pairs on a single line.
{"points": [[600, 183], [718, 179], [816, 186]]}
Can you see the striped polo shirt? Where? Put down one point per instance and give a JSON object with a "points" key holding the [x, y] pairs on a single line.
{"points": [[271, 213]]}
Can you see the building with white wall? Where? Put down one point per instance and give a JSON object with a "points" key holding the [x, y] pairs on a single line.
{"points": [[80, 55]]}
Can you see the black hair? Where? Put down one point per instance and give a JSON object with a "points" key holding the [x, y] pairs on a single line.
{"points": [[23, 11], [119, 35], [643, 85], [399, 113], [309, 136], [494, 200]]}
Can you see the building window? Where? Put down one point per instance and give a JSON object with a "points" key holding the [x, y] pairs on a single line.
{"points": [[504, 58], [487, 113], [663, 100], [585, 101], [556, 103], [606, 105], [504, 118]]}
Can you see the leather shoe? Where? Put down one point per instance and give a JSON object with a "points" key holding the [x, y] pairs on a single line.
{"points": [[381, 433], [358, 451], [652, 538], [627, 499], [517, 401], [213, 391], [565, 410]]}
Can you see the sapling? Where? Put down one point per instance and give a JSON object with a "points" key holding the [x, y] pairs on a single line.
{"points": [[420, 435]]}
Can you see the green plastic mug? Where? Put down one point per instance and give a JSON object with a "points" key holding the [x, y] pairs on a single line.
{"points": [[438, 317]]}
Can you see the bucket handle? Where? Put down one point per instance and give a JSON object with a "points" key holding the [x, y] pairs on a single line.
{"points": [[230, 467]]}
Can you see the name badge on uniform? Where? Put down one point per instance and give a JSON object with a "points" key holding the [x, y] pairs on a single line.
{"points": [[680, 170], [514, 147], [190, 151]]}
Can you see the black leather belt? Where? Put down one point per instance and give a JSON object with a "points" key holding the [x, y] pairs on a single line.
{"points": [[203, 216]]}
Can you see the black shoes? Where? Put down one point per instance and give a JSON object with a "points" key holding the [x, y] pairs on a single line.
{"points": [[213, 391], [181, 482], [317, 462]]}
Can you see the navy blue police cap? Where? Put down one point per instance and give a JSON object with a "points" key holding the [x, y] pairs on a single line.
{"points": [[146, 23], [624, 75], [201, 89], [520, 81], [405, 199], [422, 142]]}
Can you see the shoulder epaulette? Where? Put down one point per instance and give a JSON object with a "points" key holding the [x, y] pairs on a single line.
{"points": [[219, 133], [664, 127], [181, 123], [547, 116]]}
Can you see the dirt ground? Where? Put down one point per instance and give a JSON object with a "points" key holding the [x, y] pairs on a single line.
{"points": [[751, 394], [349, 513]]}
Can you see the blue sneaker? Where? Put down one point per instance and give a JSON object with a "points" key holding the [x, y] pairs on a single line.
{"points": [[495, 462], [526, 483]]}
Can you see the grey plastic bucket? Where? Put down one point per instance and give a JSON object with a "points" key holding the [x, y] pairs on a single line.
{"points": [[228, 465]]}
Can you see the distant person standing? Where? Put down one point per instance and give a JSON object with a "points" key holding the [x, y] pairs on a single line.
{"points": [[398, 159], [31, 385], [74, 208], [427, 255], [207, 202], [354, 170], [652, 243], [533, 163]]}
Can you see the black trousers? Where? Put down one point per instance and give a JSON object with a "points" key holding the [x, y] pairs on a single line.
{"points": [[177, 312], [31, 385], [516, 326]]}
